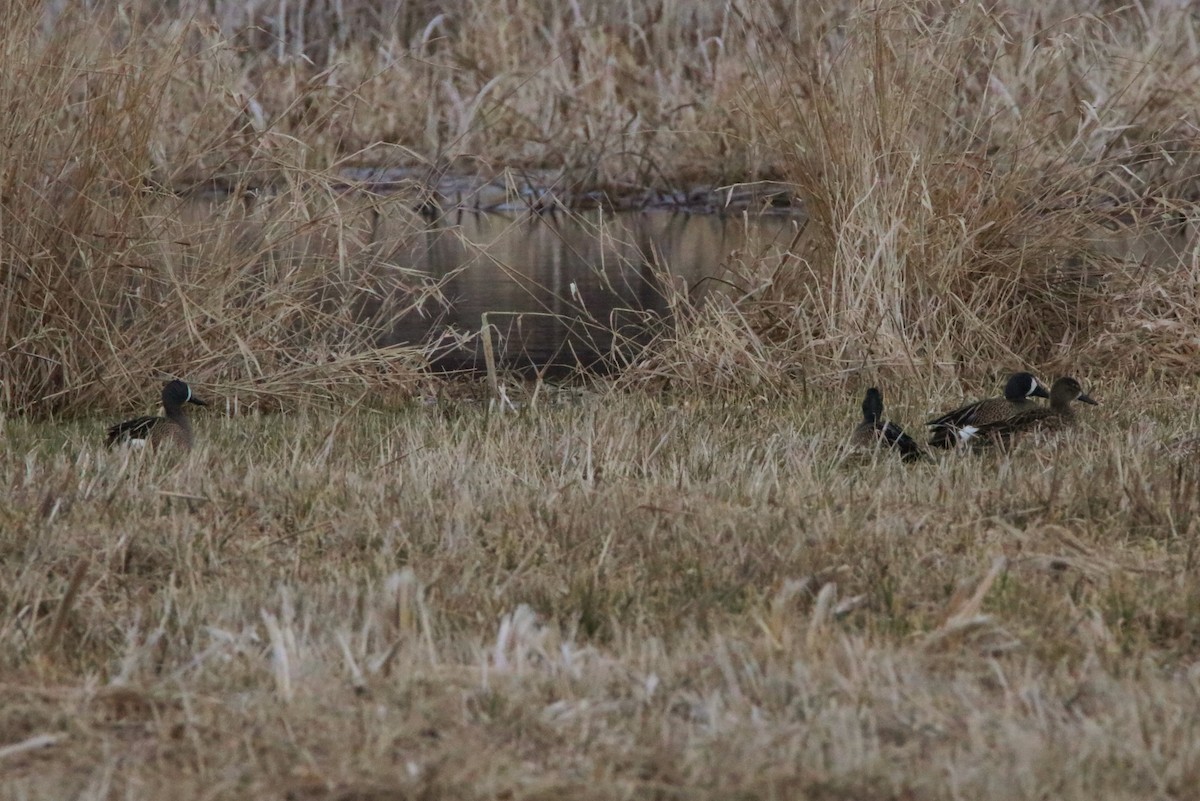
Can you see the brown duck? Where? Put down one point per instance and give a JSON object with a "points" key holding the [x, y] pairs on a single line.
{"points": [[1058, 414], [173, 429], [962, 425]]}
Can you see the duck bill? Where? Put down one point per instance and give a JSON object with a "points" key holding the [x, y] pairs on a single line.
{"points": [[1087, 399], [1039, 391], [197, 401]]}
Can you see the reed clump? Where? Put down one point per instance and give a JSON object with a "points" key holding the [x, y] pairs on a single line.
{"points": [[110, 280], [981, 186], [957, 167]]}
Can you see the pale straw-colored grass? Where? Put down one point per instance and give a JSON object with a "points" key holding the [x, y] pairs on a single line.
{"points": [[603, 597]]}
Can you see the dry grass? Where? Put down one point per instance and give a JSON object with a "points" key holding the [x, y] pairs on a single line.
{"points": [[637, 593], [608, 597], [109, 282], [959, 169], [955, 165]]}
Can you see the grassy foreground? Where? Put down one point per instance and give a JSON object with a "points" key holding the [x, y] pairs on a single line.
{"points": [[610, 597]]}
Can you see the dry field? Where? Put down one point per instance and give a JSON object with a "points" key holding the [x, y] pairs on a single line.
{"points": [[602, 597], [675, 582]]}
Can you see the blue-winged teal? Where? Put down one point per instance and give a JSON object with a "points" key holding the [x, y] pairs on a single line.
{"points": [[962, 425], [874, 430], [173, 428], [1058, 414]]}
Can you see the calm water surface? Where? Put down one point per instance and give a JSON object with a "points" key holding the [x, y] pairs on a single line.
{"points": [[562, 292]]}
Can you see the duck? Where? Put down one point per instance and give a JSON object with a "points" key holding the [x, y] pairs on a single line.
{"points": [[874, 430], [961, 426], [173, 429], [1059, 414]]}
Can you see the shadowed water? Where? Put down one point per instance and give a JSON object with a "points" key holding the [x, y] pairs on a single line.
{"points": [[562, 292], [548, 292]]}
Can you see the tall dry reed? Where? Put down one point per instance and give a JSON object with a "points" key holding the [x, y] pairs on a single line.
{"points": [[111, 282], [964, 170]]}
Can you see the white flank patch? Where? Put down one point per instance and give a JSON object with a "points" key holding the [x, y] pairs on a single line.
{"points": [[135, 444], [966, 432]]}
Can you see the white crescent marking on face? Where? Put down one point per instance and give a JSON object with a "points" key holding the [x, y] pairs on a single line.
{"points": [[189, 395]]}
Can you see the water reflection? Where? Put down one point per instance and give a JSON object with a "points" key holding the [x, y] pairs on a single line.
{"points": [[564, 292]]}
